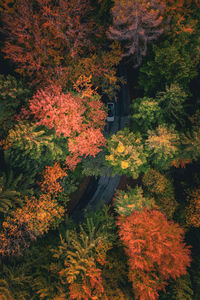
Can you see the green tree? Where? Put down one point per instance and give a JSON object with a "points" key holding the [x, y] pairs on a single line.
{"points": [[28, 147], [13, 94], [96, 166], [190, 142], [171, 102], [146, 114], [171, 61]]}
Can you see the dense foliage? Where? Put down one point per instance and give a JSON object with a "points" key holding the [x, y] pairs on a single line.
{"points": [[61, 63], [155, 249]]}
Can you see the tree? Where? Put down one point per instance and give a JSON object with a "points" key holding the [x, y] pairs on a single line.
{"points": [[160, 187], [15, 282], [163, 144], [42, 36], [101, 67], [173, 60], [127, 153], [180, 289], [155, 249], [136, 22], [190, 142], [146, 114], [171, 102], [83, 253], [9, 199], [96, 166], [13, 95], [193, 209], [51, 179], [125, 203], [25, 224], [58, 41], [28, 146], [77, 117]]}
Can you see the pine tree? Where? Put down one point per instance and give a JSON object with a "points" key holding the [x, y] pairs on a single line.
{"points": [[84, 253], [13, 94], [28, 147]]}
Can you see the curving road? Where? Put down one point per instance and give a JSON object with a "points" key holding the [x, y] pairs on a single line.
{"points": [[103, 187]]}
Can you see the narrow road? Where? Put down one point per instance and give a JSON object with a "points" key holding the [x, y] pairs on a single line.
{"points": [[103, 187]]}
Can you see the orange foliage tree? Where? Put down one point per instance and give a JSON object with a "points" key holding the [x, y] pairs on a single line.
{"points": [[56, 42], [42, 37], [78, 117], [51, 179], [155, 249], [35, 218]]}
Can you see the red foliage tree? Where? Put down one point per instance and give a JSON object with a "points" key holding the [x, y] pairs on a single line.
{"points": [[155, 249], [42, 37], [79, 118], [136, 22]]}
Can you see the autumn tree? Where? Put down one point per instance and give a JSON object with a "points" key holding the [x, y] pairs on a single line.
{"points": [[25, 224], [193, 208], [77, 117], [155, 249], [41, 37], [126, 202], [137, 23], [102, 67], [51, 179], [57, 42], [127, 153], [163, 144], [83, 253], [161, 188], [28, 147]]}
